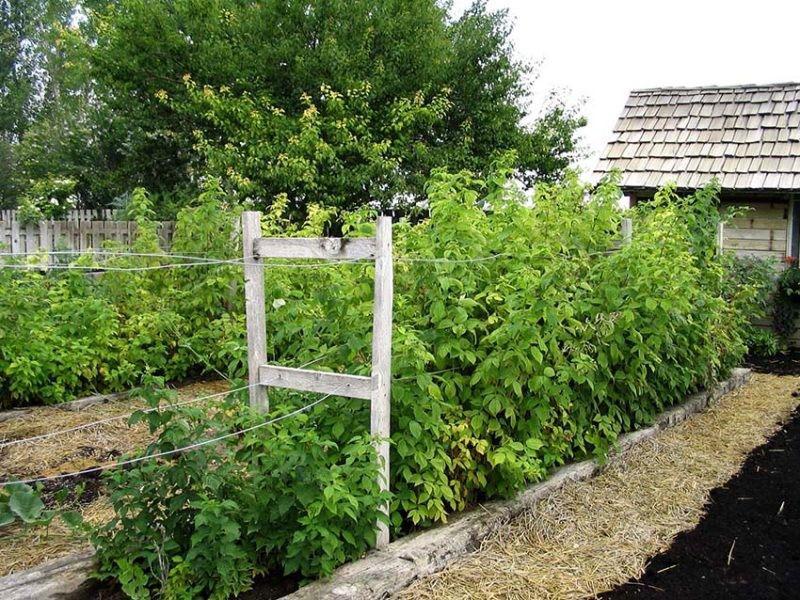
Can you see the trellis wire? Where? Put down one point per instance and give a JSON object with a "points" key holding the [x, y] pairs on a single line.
{"points": [[43, 253], [148, 410], [194, 446], [83, 426]]}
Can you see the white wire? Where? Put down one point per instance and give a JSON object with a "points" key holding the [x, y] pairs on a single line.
{"points": [[194, 446], [51, 434], [414, 259], [44, 253], [100, 268]]}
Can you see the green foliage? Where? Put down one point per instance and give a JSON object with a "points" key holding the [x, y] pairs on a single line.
{"points": [[48, 198], [34, 87], [787, 302], [749, 284], [20, 501], [762, 342], [279, 498], [63, 334], [420, 89], [22, 504], [344, 153], [504, 369]]}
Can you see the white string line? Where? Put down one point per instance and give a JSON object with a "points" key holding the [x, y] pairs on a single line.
{"points": [[194, 446], [73, 267], [101, 268], [203, 261], [148, 410], [423, 373], [45, 253], [414, 259], [83, 426]]}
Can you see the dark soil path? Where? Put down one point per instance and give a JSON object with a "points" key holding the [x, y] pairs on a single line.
{"points": [[783, 363], [748, 544]]}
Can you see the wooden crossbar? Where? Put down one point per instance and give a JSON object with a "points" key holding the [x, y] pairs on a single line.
{"points": [[320, 248], [306, 380]]}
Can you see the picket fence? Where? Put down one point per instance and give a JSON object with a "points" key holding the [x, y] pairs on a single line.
{"points": [[79, 231]]}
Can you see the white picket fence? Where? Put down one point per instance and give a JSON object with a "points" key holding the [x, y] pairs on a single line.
{"points": [[80, 231]]}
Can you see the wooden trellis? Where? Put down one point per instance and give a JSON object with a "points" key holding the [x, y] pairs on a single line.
{"points": [[377, 387]]}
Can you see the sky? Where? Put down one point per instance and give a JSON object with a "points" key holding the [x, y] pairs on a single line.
{"points": [[596, 52]]}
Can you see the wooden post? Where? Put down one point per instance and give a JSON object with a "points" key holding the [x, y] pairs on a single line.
{"points": [[255, 309], [720, 238], [15, 236], [45, 241], [382, 359], [627, 231]]}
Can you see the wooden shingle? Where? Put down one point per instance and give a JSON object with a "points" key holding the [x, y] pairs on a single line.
{"points": [[747, 136]]}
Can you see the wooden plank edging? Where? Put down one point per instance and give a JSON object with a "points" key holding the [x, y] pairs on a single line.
{"points": [[384, 572]]}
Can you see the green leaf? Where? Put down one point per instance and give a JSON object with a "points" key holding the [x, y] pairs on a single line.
{"points": [[6, 516], [72, 518], [26, 505]]}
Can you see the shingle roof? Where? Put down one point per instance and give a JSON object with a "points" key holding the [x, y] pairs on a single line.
{"points": [[747, 136]]}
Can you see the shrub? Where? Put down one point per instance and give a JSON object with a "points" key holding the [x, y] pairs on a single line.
{"points": [[283, 498], [504, 369], [761, 342], [63, 334], [750, 285], [787, 302]]}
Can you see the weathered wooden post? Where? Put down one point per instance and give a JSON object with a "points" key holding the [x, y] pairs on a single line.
{"points": [[627, 231], [382, 357], [720, 238], [254, 309]]}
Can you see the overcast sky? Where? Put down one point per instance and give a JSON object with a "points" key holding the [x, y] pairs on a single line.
{"points": [[597, 51]]}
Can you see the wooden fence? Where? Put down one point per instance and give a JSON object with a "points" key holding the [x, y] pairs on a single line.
{"points": [[80, 231]]}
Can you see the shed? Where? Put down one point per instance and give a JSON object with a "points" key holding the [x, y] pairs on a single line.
{"points": [[747, 136]]}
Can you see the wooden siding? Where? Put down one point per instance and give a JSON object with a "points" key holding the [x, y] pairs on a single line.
{"points": [[762, 231]]}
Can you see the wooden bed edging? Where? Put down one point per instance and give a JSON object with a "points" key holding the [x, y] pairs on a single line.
{"points": [[384, 572], [62, 578]]}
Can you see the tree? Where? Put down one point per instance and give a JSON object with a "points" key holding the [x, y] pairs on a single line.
{"points": [[419, 91], [29, 78]]}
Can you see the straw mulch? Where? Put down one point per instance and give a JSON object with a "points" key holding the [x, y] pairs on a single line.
{"points": [[591, 536], [23, 547]]}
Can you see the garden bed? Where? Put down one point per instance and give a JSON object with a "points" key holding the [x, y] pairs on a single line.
{"points": [[591, 536], [22, 548], [748, 543], [465, 531]]}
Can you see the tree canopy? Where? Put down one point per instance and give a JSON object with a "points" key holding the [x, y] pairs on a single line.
{"points": [[338, 102]]}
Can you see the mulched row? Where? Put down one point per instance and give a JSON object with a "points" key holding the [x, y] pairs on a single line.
{"points": [[747, 545]]}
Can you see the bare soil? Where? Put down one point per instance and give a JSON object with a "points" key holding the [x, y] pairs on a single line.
{"points": [[748, 543], [783, 363]]}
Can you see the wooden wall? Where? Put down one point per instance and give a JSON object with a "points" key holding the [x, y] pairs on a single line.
{"points": [[761, 231]]}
